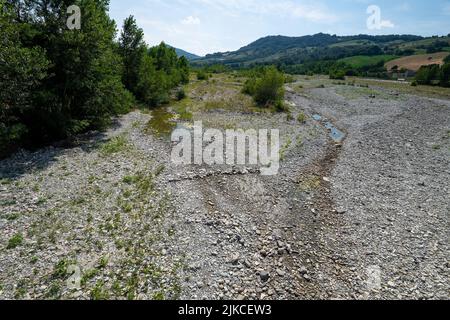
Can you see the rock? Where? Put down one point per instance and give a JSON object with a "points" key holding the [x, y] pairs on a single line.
{"points": [[281, 273], [326, 179], [303, 270], [264, 275], [235, 258]]}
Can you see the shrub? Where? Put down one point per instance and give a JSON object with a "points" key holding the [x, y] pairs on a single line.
{"points": [[181, 94], [427, 74], [202, 75], [337, 75], [250, 87], [269, 89], [15, 241], [414, 83], [445, 75], [301, 117], [289, 79]]}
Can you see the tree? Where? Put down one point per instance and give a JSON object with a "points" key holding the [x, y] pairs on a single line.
{"points": [[445, 75], [152, 85], [69, 80], [21, 72], [132, 48], [427, 74]]}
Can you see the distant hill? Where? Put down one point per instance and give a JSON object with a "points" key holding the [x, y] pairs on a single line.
{"points": [[188, 55], [289, 51]]}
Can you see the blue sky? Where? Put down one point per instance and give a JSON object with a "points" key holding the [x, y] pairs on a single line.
{"points": [[208, 26]]}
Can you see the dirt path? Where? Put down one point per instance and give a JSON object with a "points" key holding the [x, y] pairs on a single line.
{"points": [[364, 218]]}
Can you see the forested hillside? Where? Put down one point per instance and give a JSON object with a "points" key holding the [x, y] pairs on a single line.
{"points": [[56, 82], [362, 55]]}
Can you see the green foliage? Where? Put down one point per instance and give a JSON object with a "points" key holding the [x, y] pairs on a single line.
{"points": [[301, 117], [115, 145], [445, 75], [57, 82], [428, 74], [132, 49], [337, 75], [267, 87], [150, 73], [202, 75], [15, 241], [433, 75], [181, 94], [358, 62], [289, 78], [250, 86]]}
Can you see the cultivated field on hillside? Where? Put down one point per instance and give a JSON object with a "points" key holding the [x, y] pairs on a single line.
{"points": [[415, 62]]}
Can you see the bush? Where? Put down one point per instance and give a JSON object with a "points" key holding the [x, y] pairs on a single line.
{"points": [[181, 94], [414, 83], [269, 89], [202, 75], [250, 87], [337, 75], [289, 79], [427, 74], [301, 117]]}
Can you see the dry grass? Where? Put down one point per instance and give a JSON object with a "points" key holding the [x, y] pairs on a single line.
{"points": [[406, 88], [415, 62]]}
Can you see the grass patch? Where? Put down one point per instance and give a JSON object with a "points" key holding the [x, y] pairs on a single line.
{"points": [[54, 291], [367, 61], [310, 183], [284, 149], [5, 181], [99, 292], [15, 241], [115, 145], [88, 275], [60, 269], [143, 182], [12, 216], [301, 117]]}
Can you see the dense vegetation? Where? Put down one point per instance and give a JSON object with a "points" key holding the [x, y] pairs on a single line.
{"points": [[434, 75], [56, 82], [360, 55], [266, 86]]}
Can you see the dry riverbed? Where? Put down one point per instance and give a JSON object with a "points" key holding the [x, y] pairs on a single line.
{"points": [[360, 208]]}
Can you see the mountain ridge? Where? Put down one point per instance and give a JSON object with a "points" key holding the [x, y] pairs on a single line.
{"points": [[279, 49], [187, 55]]}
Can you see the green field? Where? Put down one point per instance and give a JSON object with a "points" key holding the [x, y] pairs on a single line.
{"points": [[365, 61]]}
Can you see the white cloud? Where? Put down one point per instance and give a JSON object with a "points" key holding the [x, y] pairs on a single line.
{"points": [[313, 12], [191, 21], [387, 24]]}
